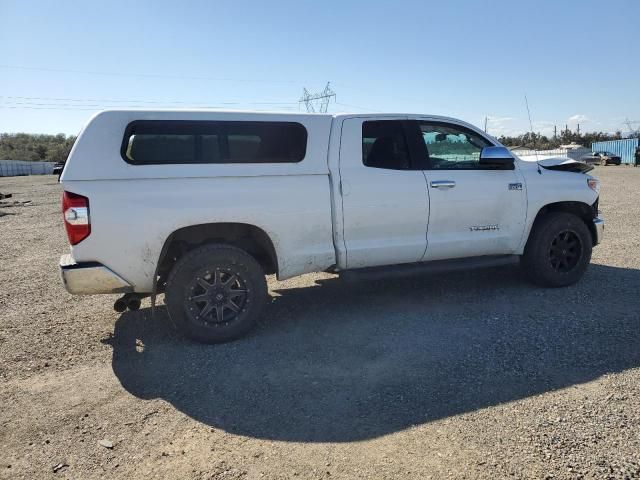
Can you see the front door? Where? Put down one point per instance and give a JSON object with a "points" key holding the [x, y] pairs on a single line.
{"points": [[474, 211], [385, 202]]}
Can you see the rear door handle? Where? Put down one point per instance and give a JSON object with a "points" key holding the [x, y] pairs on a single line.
{"points": [[443, 184]]}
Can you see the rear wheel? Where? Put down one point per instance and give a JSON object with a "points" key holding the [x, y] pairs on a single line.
{"points": [[558, 251], [215, 293]]}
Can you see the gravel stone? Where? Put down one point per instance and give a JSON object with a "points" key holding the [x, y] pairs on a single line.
{"points": [[460, 375]]}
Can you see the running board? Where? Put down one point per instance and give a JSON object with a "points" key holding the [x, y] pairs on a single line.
{"points": [[436, 266]]}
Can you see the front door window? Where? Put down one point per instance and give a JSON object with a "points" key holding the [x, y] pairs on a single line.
{"points": [[451, 147]]}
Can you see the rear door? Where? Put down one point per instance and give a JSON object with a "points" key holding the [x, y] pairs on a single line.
{"points": [[385, 202]]}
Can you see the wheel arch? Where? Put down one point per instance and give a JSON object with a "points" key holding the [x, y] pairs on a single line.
{"points": [[250, 238], [582, 210]]}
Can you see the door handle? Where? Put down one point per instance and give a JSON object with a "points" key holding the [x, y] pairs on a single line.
{"points": [[443, 184]]}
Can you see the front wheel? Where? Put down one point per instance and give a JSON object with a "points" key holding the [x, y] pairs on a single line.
{"points": [[558, 251], [215, 293]]}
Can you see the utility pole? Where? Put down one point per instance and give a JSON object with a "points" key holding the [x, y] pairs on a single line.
{"points": [[310, 99], [485, 124], [555, 132], [578, 129]]}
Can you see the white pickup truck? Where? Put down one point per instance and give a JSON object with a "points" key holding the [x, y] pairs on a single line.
{"points": [[200, 205]]}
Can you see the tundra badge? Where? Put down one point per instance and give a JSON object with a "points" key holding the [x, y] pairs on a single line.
{"points": [[515, 186], [484, 228]]}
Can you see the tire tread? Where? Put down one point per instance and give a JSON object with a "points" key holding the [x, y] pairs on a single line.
{"points": [[534, 262], [195, 259]]}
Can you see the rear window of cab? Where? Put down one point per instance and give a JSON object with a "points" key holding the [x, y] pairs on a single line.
{"points": [[161, 142]]}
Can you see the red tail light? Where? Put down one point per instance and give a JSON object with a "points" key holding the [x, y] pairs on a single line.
{"points": [[75, 210]]}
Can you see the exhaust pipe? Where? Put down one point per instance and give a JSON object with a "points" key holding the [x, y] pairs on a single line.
{"points": [[129, 300], [120, 305], [133, 304]]}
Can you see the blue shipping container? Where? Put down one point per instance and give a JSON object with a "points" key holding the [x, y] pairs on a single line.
{"points": [[626, 149]]}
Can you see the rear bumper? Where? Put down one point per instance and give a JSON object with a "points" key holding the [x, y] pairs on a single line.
{"points": [[90, 278], [598, 227]]}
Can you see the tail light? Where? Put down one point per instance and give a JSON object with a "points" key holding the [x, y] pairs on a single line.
{"points": [[75, 210]]}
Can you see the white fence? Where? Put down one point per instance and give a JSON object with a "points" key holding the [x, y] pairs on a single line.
{"points": [[574, 154], [14, 168]]}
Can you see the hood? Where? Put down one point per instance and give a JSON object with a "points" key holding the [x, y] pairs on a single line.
{"points": [[564, 164]]}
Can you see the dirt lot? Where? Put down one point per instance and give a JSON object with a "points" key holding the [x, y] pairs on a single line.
{"points": [[463, 375]]}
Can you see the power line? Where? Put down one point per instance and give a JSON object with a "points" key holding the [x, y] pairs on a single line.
{"points": [[44, 108], [92, 104], [38, 106], [177, 102], [145, 75], [104, 106], [35, 106], [70, 103], [164, 102]]}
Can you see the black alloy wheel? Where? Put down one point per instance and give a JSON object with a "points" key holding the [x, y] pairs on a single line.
{"points": [[558, 250], [565, 251], [215, 293], [217, 296]]}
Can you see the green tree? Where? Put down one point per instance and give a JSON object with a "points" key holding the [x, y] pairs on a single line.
{"points": [[41, 151], [25, 146]]}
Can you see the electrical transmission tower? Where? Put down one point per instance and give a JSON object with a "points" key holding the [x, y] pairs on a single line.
{"points": [[634, 132], [317, 100]]}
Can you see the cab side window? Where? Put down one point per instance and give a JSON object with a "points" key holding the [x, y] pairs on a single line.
{"points": [[384, 145], [452, 147], [173, 142]]}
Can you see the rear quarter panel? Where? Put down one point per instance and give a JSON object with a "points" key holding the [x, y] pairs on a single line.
{"points": [[134, 208]]}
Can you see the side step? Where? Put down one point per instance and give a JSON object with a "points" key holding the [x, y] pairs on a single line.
{"points": [[436, 266]]}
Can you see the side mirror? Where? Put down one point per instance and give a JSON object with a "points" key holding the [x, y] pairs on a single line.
{"points": [[497, 158]]}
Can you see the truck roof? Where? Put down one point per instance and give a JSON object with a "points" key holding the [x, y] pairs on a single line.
{"points": [[165, 113]]}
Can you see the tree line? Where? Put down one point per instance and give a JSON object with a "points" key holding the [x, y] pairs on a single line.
{"points": [[537, 141], [35, 147], [56, 148]]}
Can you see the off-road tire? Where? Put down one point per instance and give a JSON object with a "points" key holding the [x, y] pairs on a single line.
{"points": [[210, 265], [540, 260]]}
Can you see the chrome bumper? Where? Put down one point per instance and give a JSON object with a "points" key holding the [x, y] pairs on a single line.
{"points": [[90, 278], [598, 224]]}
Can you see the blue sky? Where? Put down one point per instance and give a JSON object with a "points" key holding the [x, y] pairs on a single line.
{"points": [[576, 60]]}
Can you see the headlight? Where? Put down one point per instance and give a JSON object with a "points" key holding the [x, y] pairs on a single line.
{"points": [[594, 184]]}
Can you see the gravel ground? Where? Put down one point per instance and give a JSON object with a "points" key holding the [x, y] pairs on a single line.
{"points": [[462, 375]]}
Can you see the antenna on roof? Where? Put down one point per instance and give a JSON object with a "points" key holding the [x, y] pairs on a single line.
{"points": [[533, 135]]}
